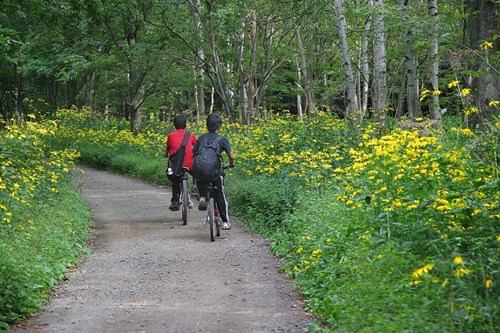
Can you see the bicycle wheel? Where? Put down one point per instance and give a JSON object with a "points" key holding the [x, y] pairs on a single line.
{"points": [[211, 219], [218, 225], [184, 200]]}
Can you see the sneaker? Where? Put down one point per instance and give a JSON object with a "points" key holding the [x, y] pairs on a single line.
{"points": [[174, 206], [202, 204], [226, 225]]}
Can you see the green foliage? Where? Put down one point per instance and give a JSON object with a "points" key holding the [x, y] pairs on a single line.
{"points": [[35, 258], [43, 224], [354, 284], [382, 232], [263, 200]]}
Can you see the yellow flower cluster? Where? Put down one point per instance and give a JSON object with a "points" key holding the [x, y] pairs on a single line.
{"points": [[283, 145], [27, 171]]}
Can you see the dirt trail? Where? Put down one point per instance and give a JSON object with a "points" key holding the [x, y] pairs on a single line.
{"points": [[150, 273]]}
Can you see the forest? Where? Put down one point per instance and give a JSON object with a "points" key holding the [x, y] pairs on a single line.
{"points": [[152, 58], [366, 136]]}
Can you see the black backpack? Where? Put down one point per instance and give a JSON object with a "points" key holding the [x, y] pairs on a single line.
{"points": [[207, 159]]}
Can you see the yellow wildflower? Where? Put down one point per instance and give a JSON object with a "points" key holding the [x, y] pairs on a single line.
{"points": [[466, 132], [486, 45], [458, 260], [461, 272], [436, 92], [453, 83], [465, 92], [422, 270], [424, 94], [488, 282], [493, 103], [315, 253]]}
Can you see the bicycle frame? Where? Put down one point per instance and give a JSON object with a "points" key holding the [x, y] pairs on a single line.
{"points": [[184, 199]]}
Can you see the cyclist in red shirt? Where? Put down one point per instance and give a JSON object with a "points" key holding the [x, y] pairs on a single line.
{"points": [[174, 141]]}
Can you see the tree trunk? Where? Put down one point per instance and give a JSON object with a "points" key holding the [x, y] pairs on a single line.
{"points": [[252, 81], [412, 100], [299, 96], [200, 61], [365, 67], [134, 82], [483, 25], [243, 101], [379, 64], [224, 90], [434, 60], [305, 74], [352, 106]]}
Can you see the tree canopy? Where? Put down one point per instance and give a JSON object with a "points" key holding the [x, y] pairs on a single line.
{"points": [[148, 58]]}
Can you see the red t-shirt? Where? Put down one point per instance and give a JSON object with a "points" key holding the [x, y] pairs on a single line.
{"points": [[174, 141]]}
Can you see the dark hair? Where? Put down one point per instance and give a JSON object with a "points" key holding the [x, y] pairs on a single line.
{"points": [[214, 122], [180, 122]]}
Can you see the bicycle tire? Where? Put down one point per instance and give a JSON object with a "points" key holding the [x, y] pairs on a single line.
{"points": [[211, 219], [218, 225], [185, 200]]}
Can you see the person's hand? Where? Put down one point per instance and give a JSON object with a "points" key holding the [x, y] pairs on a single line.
{"points": [[230, 166]]}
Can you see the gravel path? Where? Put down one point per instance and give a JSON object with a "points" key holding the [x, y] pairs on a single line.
{"points": [[150, 273]]}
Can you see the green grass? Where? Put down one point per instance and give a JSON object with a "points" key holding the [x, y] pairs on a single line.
{"points": [[34, 260]]}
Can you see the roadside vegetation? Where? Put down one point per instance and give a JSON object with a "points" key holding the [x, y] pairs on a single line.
{"points": [[394, 230], [44, 225]]}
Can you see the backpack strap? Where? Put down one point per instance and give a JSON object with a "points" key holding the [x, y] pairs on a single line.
{"points": [[181, 149], [216, 144], [185, 140]]}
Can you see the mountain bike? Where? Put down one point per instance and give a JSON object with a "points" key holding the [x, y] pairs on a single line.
{"points": [[185, 198], [213, 219]]}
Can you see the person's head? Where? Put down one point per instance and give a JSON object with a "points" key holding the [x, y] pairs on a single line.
{"points": [[214, 122], [180, 122]]}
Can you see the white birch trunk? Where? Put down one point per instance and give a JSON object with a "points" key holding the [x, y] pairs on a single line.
{"points": [[243, 101], [365, 66], [305, 74], [200, 61], [379, 64], [434, 59], [299, 96], [252, 81], [352, 106]]}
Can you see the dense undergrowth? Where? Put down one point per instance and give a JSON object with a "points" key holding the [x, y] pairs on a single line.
{"points": [[382, 232], [43, 223]]}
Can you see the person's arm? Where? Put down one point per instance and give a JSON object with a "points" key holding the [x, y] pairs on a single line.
{"points": [[166, 148], [168, 144], [230, 155]]}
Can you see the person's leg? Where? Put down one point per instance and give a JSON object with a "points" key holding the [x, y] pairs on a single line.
{"points": [[176, 192], [202, 191], [220, 200]]}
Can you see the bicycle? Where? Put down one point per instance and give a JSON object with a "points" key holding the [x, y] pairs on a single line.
{"points": [[213, 218], [214, 221], [185, 198]]}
